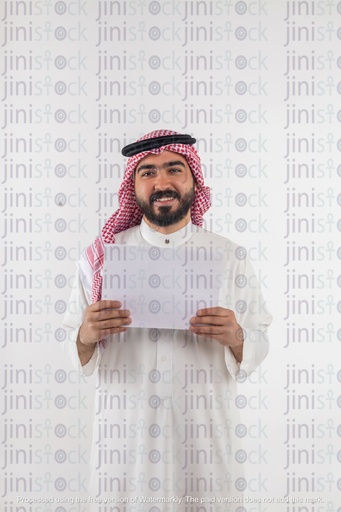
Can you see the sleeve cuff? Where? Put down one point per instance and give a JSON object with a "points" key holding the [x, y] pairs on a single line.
{"points": [[71, 352], [255, 349], [231, 363], [89, 368]]}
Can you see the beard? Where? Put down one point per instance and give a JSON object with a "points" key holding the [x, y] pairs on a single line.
{"points": [[165, 217]]}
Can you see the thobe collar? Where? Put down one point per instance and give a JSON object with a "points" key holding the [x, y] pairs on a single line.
{"points": [[161, 240]]}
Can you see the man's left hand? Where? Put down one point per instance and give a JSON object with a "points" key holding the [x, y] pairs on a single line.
{"points": [[219, 324]]}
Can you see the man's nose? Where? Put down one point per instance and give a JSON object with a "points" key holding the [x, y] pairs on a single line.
{"points": [[161, 181]]}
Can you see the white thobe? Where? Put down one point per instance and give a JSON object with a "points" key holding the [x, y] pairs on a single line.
{"points": [[166, 416]]}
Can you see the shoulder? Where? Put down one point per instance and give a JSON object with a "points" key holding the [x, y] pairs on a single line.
{"points": [[129, 236], [93, 255], [123, 237]]}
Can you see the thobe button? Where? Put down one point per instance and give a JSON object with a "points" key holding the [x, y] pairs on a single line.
{"points": [[167, 241]]}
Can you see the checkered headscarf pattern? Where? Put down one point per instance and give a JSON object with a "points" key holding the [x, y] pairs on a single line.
{"points": [[129, 214]]}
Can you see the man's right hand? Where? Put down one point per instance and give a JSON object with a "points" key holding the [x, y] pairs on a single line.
{"points": [[100, 319]]}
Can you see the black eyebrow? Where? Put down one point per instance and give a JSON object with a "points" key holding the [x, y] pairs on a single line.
{"points": [[167, 164]]}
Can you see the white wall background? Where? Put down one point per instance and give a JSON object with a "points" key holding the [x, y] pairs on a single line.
{"points": [[258, 83]]}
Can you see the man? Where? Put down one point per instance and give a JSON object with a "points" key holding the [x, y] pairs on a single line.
{"points": [[165, 418]]}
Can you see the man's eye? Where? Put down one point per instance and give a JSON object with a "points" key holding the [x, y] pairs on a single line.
{"points": [[175, 170], [147, 173]]}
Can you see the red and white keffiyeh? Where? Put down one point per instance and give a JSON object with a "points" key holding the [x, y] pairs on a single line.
{"points": [[129, 214]]}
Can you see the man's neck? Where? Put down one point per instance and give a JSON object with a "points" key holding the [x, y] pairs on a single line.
{"points": [[167, 230]]}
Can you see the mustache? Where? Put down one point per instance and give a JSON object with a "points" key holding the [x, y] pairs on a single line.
{"points": [[170, 194]]}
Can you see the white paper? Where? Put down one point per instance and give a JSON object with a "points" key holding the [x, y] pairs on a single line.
{"points": [[162, 287]]}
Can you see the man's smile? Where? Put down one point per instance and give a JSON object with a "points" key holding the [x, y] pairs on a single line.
{"points": [[166, 198], [165, 201]]}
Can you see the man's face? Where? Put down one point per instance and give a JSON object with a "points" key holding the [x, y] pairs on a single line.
{"points": [[164, 189]]}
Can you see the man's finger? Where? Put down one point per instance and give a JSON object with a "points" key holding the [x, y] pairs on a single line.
{"points": [[216, 311], [211, 320], [107, 314], [105, 304], [208, 329], [110, 324]]}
